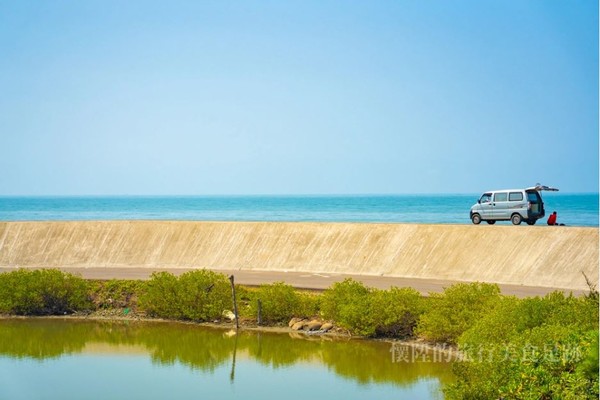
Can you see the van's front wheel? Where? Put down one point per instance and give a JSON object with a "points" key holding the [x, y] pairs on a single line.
{"points": [[516, 219], [476, 218]]}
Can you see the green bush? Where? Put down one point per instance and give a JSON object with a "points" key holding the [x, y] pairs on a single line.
{"points": [[590, 365], [538, 348], [310, 304], [452, 312], [115, 293], [358, 316], [339, 295], [396, 311], [546, 362], [372, 312], [160, 295], [42, 292], [200, 295], [280, 302], [204, 295], [348, 303]]}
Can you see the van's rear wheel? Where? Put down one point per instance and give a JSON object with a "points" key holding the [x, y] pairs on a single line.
{"points": [[476, 218], [516, 219]]}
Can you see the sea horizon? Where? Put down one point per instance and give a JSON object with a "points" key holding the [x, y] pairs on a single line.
{"points": [[284, 194], [579, 209]]}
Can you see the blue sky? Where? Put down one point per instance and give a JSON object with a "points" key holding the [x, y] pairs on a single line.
{"points": [[297, 97]]}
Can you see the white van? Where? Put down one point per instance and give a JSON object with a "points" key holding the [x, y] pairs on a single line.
{"points": [[513, 205]]}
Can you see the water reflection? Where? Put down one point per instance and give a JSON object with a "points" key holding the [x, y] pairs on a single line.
{"points": [[205, 349]]}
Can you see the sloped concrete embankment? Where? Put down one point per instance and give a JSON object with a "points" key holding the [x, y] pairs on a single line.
{"points": [[522, 255]]}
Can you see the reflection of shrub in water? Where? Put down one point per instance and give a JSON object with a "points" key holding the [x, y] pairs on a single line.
{"points": [[206, 349], [41, 339], [203, 349], [167, 343], [371, 362], [278, 350]]}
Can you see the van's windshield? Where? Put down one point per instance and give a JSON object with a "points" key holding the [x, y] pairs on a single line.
{"points": [[485, 198]]}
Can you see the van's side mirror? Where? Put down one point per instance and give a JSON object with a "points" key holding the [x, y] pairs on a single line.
{"points": [[479, 201]]}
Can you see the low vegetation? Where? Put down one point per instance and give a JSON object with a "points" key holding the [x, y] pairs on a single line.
{"points": [[372, 312], [454, 311], [43, 292], [196, 296], [280, 302], [532, 348], [115, 294]]}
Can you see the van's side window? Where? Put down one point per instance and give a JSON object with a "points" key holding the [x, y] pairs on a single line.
{"points": [[500, 196], [515, 196]]}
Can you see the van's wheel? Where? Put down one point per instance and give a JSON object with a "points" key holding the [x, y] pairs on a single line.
{"points": [[476, 218], [491, 221], [516, 219]]}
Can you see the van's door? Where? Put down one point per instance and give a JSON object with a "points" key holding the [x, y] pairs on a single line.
{"points": [[539, 188], [485, 206], [536, 204], [500, 206]]}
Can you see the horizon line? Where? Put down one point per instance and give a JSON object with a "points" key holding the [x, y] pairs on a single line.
{"points": [[270, 194]]}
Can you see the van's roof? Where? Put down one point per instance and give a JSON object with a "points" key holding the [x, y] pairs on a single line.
{"points": [[508, 190]]}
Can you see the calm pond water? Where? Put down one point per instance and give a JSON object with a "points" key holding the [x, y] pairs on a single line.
{"points": [[72, 359]]}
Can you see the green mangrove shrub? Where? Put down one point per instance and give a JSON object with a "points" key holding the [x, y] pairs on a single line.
{"points": [[279, 302], [544, 348], [43, 292], [452, 312], [200, 295], [348, 303], [115, 293], [396, 311], [338, 297], [310, 304], [371, 312]]}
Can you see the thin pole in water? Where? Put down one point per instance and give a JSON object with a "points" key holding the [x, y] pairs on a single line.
{"points": [[235, 310], [259, 313]]}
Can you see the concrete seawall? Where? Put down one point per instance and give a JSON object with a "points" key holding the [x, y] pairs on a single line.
{"points": [[521, 255]]}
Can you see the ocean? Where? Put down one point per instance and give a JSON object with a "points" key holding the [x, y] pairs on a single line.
{"points": [[572, 209]]}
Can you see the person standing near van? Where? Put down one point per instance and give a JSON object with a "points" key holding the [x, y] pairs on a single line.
{"points": [[552, 219]]}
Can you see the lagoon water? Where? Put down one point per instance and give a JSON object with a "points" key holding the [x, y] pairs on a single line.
{"points": [[76, 359], [573, 209]]}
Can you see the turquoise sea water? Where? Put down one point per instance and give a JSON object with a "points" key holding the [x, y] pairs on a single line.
{"points": [[573, 209]]}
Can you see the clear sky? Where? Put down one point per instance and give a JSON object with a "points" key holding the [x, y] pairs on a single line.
{"points": [[297, 97]]}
